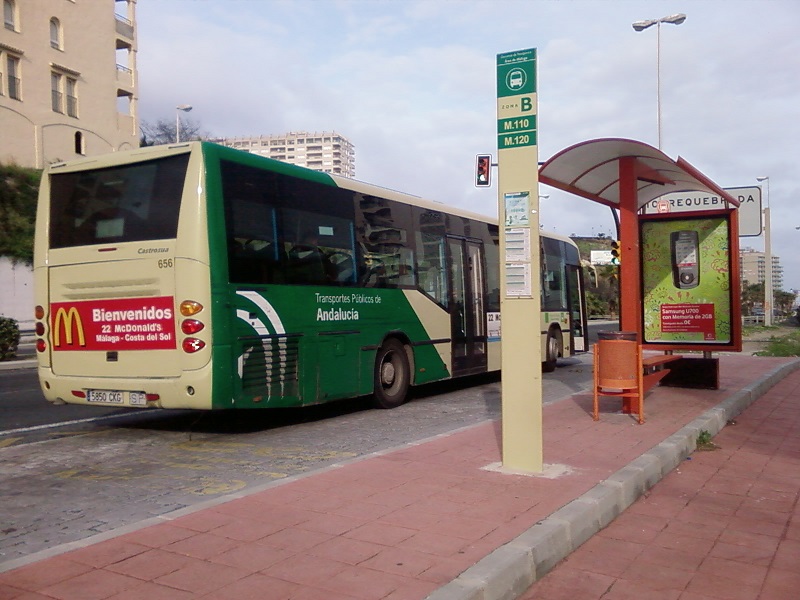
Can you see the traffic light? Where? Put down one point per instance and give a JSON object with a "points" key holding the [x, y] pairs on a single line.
{"points": [[483, 170], [616, 252]]}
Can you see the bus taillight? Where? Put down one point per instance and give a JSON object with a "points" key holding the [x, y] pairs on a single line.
{"points": [[191, 345], [40, 328], [190, 326], [190, 307]]}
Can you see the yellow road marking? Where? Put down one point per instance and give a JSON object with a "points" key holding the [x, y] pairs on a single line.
{"points": [[123, 475], [207, 487]]}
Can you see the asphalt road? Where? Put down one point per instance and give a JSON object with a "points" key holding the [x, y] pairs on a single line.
{"points": [[100, 469], [22, 405], [67, 483]]}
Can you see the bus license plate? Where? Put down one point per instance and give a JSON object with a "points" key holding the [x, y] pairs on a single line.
{"points": [[105, 396], [137, 399]]}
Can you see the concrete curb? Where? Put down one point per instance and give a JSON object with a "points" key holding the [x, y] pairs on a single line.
{"points": [[511, 569], [14, 365]]}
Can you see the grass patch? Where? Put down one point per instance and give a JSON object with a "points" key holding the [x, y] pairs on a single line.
{"points": [[786, 345], [750, 330], [704, 441]]}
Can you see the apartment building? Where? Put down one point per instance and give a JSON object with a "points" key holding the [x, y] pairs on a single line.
{"points": [[753, 267], [328, 152], [68, 84]]}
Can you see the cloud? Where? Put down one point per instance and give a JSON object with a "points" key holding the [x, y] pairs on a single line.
{"points": [[412, 85]]}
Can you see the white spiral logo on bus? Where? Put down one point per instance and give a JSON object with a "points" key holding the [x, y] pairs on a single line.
{"points": [[261, 329]]}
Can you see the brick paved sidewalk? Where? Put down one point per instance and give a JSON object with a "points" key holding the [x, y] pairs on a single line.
{"points": [[724, 525]]}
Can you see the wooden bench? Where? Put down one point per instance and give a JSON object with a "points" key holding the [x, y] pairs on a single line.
{"points": [[653, 369]]}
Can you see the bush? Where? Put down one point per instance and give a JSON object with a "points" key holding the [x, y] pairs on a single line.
{"points": [[9, 338], [595, 305]]}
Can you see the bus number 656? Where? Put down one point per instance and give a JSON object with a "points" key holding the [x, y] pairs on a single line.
{"points": [[165, 263]]}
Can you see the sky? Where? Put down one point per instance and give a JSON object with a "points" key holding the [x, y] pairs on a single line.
{"points": [[412, 84]]}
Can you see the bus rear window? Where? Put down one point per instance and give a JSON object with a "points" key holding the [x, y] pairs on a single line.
{"points": [[129, 203]]}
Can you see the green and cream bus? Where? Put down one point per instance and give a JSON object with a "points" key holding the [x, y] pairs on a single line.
{"points": [[198, 276]]}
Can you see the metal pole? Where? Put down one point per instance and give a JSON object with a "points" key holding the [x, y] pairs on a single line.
{"points": [[675, 19], [768, 296], [658, 80]]}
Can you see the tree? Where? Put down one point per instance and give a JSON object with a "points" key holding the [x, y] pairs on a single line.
{"points": [[752, 296], [607, 288], [595, 306], [602, 279], [163, 131], [19, 188], [784, 301]]}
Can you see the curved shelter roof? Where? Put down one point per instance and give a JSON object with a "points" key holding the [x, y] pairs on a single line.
{"points": [[591, 169]]}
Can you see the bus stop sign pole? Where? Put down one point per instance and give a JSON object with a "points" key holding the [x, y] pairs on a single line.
{"points": [[520, 302]]}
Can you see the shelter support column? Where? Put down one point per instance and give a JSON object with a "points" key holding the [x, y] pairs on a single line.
{"points": [[630, 277]]}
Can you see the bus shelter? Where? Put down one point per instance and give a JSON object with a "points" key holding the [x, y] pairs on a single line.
{"points": [[679, 272]]}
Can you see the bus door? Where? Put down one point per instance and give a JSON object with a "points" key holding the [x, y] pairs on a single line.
{"points": [[467, 310], [577, 309]]}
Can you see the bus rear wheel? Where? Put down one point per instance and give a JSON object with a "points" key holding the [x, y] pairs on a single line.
{"points": [[392, 375], [552, 349]]}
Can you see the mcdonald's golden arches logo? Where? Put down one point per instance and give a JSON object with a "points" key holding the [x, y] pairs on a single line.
{"points": [[68, 318]]}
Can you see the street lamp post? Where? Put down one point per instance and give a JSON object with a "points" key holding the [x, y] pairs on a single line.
{"points": [[768, 299], [641, 26], [542, 197], [179, 108]]}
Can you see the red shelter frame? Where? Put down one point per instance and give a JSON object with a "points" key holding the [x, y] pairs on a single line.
{"points": [[625, 175]]}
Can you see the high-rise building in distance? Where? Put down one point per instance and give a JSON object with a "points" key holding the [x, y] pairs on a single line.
{"points": [[753, 267], [328, 152]]}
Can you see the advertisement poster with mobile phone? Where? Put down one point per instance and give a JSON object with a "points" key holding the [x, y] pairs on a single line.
{"points": [[686, 281]]}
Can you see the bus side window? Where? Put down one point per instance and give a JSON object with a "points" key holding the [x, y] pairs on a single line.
{"points": [[309, 263], [320, 248], [254, 261], [404, 272], [553, 267], [345, 266], [270, 259], [382, 231], [431, 264], [432, 282], [374, 272]]}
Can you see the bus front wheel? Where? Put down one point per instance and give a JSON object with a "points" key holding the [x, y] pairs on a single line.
{"points": [[392, 375], [552, 349]]}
